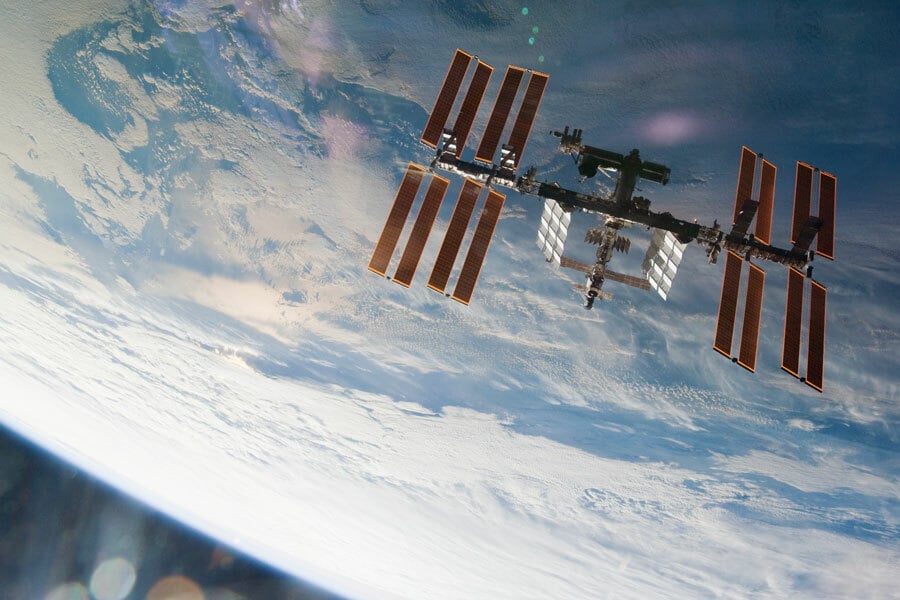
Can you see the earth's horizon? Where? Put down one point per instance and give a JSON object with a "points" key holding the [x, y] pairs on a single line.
{"points": [[193, 191]]}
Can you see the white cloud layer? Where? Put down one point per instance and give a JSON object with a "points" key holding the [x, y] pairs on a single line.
{"points": [[186, 313]]}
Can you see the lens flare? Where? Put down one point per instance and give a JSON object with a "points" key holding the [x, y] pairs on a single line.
{"points": [[113, 579], [175, 586], [671, 128], [68, 591]]}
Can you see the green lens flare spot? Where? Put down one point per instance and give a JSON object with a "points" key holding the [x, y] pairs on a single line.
{"points": [[524, 10], [541, 58], [531, 41], [535, 29]]}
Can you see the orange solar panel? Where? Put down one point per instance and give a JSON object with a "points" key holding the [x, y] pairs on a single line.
{"points": [[422, 227], [745, 180], [527, 112], [484, 231], [446, 98], [470, 105], [731, 282], [752, 314], [766, 202], [459, 222], [403, 202], [802, 196], [827, 194], [793, 323], [499, 114], [815, 360]]}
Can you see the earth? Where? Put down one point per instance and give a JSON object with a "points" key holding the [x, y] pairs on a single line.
{"points": [[192, 191]]}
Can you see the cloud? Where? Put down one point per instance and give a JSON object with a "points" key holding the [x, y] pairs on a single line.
{"points": [[393, 442]]}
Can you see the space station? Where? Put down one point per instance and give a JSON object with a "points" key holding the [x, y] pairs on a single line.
{"points": [[489, 176]]}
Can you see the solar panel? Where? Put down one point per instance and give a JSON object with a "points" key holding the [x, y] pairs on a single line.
{"points": [[422, 227], [661, 261], [527, 112], [802, 196], [766, 202], [827, 193], [459, 222], [815, 361], [745, 180], [752, 313], [446, 98], [552, 231], [403, 202], [471, 102], [484, 231], [793, 317], [638, 282], [499, 114], [731, 282], [577, 265]]}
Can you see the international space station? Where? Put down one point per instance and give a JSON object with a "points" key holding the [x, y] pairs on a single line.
{"points": [[754, 203]]}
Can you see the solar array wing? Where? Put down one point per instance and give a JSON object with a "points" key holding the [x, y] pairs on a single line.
{"points": [[471, 102], [409, 261], [731, 282], [638, 282], [752, 314], [766, 202], [577, 265], [815, 361], [552, 231], [661, 261], [481, 240], [459, 222], [802, 196], [403, 202], [745, 181], [827, 192], [446, 98], [793, 323], [499, 114], [527, 112]]}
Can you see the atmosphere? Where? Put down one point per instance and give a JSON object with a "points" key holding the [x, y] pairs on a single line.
{"points": [[192, 195]]}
